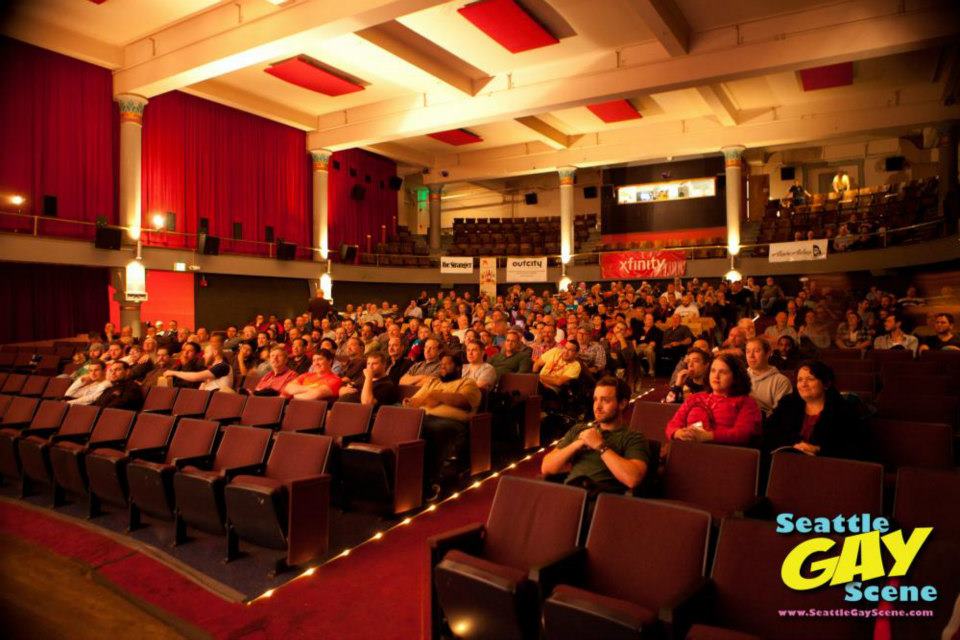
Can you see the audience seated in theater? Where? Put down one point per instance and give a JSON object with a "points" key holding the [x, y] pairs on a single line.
{"points": [[160, 365], [677, 338], [113, 353], [377, 388], [944, 339], [593, 357], [449, 401], [353, 364], [94, 353], [618, 347], [122, 392], [216, 374], [736, 342], [647, 340], [771, 296], [546, 340], [778, 329], [280, 375], [687, 309], [693, 376], [816, 419], [559, 366], [852, 335], [397, 362], [188, 361], [319, 383], [514, 357], [894, 338], [602, 456], [786, 356], [298, 360], [482, 373], [814, 332], [768, 385], [90, 386], [429, 367], [727, 414]]}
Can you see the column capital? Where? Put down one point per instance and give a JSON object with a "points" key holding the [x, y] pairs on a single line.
{"points": [[733, 155], [435, 191], [320, 158], [566, 175], [131, 107]]}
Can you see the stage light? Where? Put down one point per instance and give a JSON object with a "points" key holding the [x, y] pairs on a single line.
{"points": [[377, 535], [17, 201], [159, 221], [733, 275]]}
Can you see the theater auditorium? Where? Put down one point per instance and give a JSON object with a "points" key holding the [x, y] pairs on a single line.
{"points": [[491, 319]]}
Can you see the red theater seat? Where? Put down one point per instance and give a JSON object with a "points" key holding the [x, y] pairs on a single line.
{"points": [[34, 386], [34, 449], [304, 415], [262, 411], [719, 479], [225, 408], [191, 403], [160, 399], [813, 486], [57, 388], [347, 420], [45, 421], [526, 387]]}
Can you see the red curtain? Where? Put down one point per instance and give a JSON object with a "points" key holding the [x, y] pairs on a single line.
{"points": [[204, 160], [59, 134], [350, 219], [48, 301]]}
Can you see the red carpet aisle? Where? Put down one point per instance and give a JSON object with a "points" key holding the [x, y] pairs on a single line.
{"points": [[379, 591]]}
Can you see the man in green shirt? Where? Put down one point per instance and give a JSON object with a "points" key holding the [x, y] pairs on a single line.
{"points": [[513, 357], [605, 455]]}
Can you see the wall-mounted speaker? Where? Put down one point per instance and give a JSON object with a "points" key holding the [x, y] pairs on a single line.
{"points": [[348, 253], [286, 250], [788, 173], [357, 192], [395, 182], [50, 205], [108, 238], [590, 192], [606, 192], [530, 198], [268, 233], [336, 165], [237, 231], [721, 181], [208, 245], [894, 163], [204, 225]]}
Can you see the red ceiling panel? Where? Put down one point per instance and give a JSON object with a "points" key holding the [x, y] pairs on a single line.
{"points": [[307, 73], [509, 24], [615, 111], [98, 1], [456, 137], [834, 75]]}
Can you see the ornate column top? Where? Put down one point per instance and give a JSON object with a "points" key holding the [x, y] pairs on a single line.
{"points": [[131, 107], [566, 175], [733, 155], [435, 191], [321, 159]]}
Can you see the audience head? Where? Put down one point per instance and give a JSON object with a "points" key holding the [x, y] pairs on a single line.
{"points": [[814, 380], [571, 350], [322, 361], [449, 367], [786, 345], [758, 353], [610, 398], [698, 362], [278, 359], [115, 351], [376, 364], [475, 352], [95, 371], [117, 371], [728, 376], [943, 324]]}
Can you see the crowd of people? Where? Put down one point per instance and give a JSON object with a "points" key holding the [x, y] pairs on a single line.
{"points": [[722, 346]]}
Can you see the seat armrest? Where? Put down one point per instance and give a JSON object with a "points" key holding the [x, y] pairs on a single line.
{"points": [[354, 437], [567, 569], [79, 438], [308, 516], [107, 444], [147, 452], [677, 616], [408, 475], [468, 539], [46, 431], [247, 470], [197, 461], [760, 509]]}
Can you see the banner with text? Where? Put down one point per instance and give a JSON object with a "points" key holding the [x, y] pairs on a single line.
{"points": [[452, 264], [798, 251], [632, 265], [527, 269], [488, 278]]}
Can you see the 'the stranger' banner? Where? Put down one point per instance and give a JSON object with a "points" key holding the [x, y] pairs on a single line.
{"points": [[798, 251], [632, 265], [452, 264], [527, 269]]}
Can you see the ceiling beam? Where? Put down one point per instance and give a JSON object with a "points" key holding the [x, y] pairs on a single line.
{"points": [[546, 133], [825, 38], [222, 40], [69, 43], [667, 23], [716, 98], [402, 154]]}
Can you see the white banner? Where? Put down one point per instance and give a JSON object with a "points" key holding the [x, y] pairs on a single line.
{"points": [[527, 269], [798, 251], [452, 264], [488, 278]]}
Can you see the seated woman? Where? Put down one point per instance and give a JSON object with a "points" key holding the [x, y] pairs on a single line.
{"points": [[319, 383], [768, 385], [816, 419], [726, 415], [852, 334]]}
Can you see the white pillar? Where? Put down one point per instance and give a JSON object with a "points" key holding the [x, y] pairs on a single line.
{"points": [[321, 237], [566, 213], [436, 191], [131, 129], [733, 162]]}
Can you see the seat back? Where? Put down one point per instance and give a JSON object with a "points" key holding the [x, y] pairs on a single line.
{"points": [[811, 486], [892, 371], [49, 414], [4, 404], [240, 447], [21, 410], [14, 383], [150, 430], [856, 382], [882, 356], [225, 406], [193, 437], [923, 498], [919, 408], [304, 415], [651, 418], [524, 383], [262, 411], [532, 522], [113, 424], [160, 399], [717, 478], [666, 556], [191, 402], [394, 425], [34, 386], [56, 388], [298, 455], [748, 588], [49, 364], [935, 385], [79, 419], [348, 418], [900, 443]]}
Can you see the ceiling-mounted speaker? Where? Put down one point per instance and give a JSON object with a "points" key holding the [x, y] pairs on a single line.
{"points": [[590, 192], [788, 173], [286, 250], [395, 182], [208, 245], [348, 253], [530, 198], [50, 206], [357, 192], [108, 238], [894, 163]]}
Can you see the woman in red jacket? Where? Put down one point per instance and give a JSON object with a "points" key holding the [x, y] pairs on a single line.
{"points": [[726, 415]]}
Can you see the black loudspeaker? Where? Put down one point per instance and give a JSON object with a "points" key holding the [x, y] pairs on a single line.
{"points": [[108, 238], [237, 230], [395, 182], [721, 181], [50, 205], [348, 253], [268, 233], [530, 198], [894, 163], [357, 192], [606, 192], [352, 172], [286, 250], [208, 245], [589, 193], [788, 173], [204, 226], [170, 222], [336, 165]]}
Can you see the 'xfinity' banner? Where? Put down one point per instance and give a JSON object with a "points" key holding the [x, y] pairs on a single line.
{"points": [[798, 251], [527, 269], [450, 264]]}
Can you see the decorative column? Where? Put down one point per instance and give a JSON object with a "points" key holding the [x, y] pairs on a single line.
{"points": [[131, 129], [566, 213], [733, 163], [435, 192], [321, 238], [947, 152]]}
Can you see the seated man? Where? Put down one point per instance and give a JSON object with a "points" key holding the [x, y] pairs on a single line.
{"points": [[189, 362], [278, 377], [298, 360], [482, 372], [692, 378], [378, 388], [677, 338], [87, 388], [217, 374], [449, 402], [945, 339], [514, 357], [94, 351], [605, 456], [123, 392], [319, 383], [160, 366], [427, 368], [894, 336], [559, 366], [779, 329], [592, 355]]}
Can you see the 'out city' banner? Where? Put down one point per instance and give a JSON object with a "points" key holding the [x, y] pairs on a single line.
{"points": [[527, 269], [630, 265], [452, 264], [798, 251]]}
